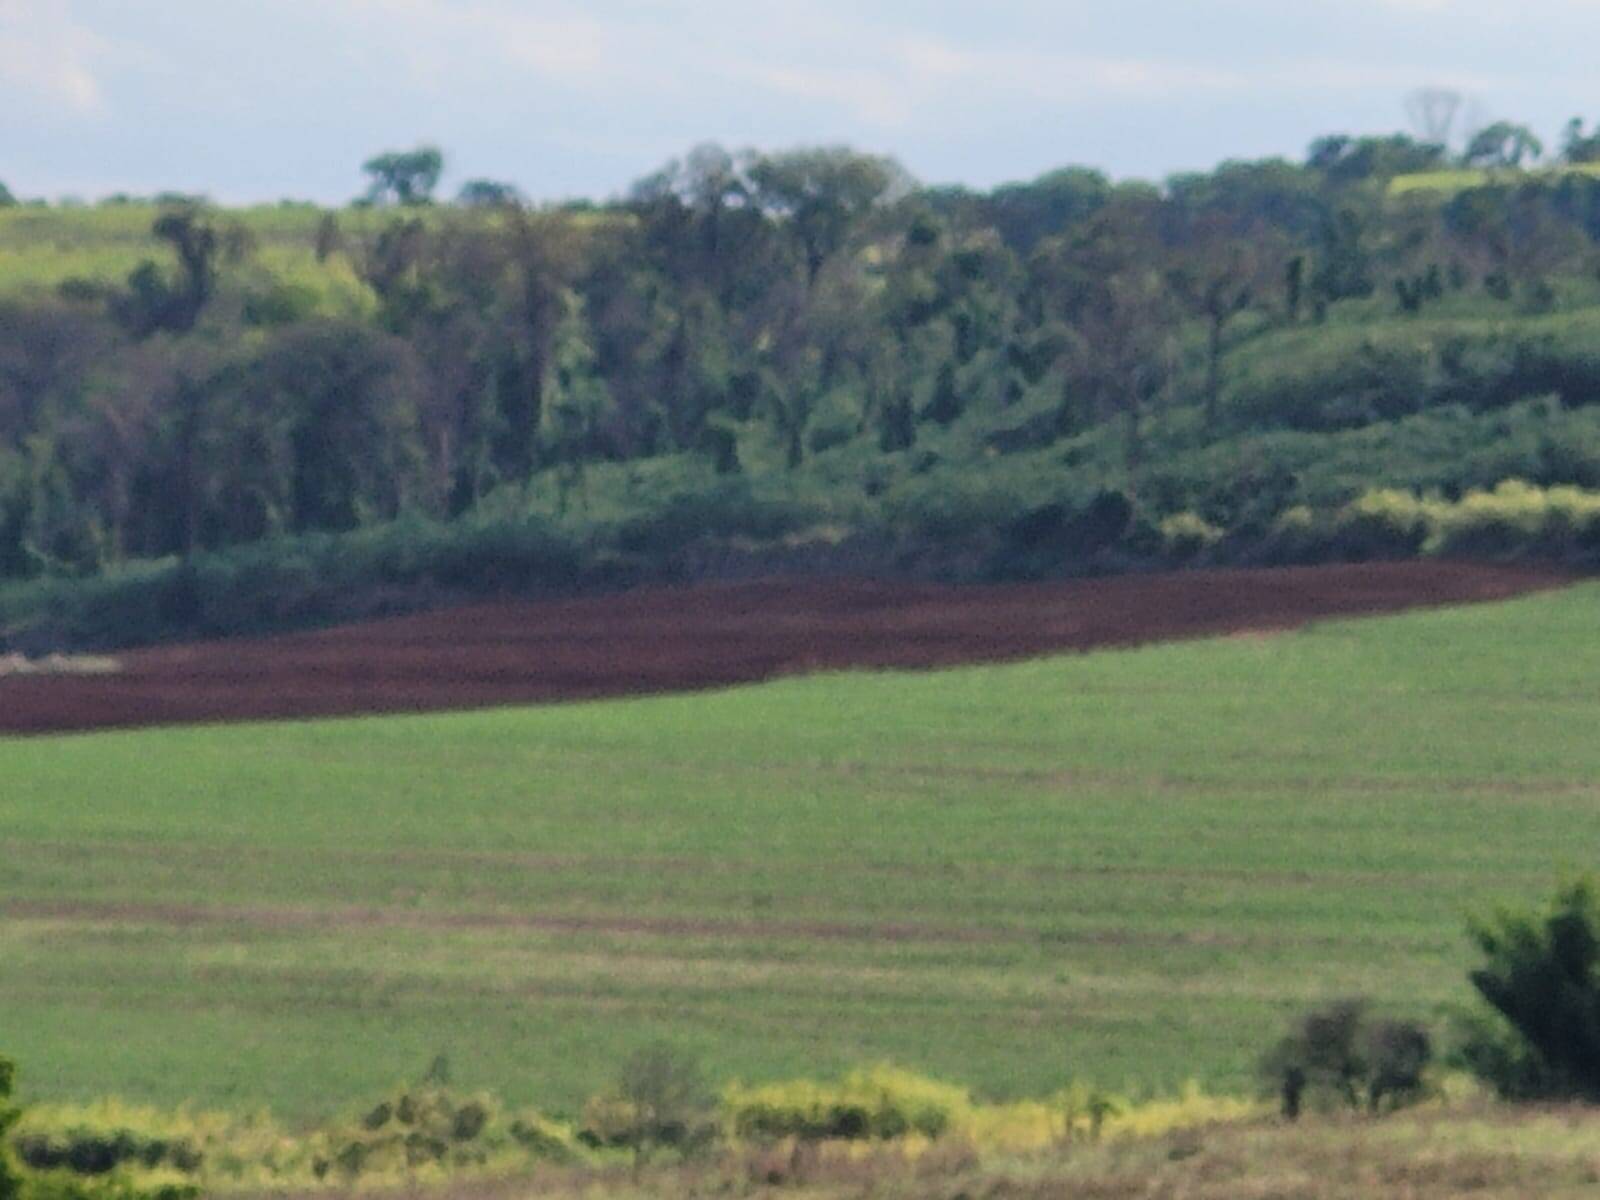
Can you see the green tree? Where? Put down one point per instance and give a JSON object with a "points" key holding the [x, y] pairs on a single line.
{"points": [[1578, 146], [10, 1183], [1502, 144], [201, 241], [821, 192], [576, 401], [406, 177], [489, 193], [1541, 975]]}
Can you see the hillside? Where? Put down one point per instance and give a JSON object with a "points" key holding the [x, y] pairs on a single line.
{"points": [[217, 421], [1126, 867]]}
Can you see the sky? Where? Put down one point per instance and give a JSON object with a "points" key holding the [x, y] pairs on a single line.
{"points": [[258, 100]]}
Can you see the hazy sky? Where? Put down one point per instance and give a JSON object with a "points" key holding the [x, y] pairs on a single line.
{"points": [[260, 99]]}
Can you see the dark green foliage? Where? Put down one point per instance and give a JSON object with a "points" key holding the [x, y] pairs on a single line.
{"points": [[407, 177], [809, 341], [1343, 1055], [429, 1126], [101, 1151], [10, 1183], [1542, 977]]}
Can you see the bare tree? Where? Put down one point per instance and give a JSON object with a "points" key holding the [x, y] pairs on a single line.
{"points": [[1433, 112]]}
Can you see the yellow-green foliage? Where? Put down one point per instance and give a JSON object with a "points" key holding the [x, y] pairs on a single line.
{"points": [[1515, 519], [1193, 1107], [1447, 182], [874, 1102], [152, 1148], [414, 1134], [1186, 534], [885, 1103]]}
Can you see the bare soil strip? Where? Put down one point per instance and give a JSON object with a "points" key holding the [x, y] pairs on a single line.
{"points": [[668, 639]]}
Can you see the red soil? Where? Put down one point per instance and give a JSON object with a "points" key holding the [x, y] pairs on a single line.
{"points": [[673, 639]]}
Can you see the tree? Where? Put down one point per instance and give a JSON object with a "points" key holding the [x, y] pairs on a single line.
{"points": [[1502, 144], [1433, 112], [660, 1101], [1216, 274], [1125, 351], [200, 241], [7, 200], [669, 1098], [10, 1184], [489, 193], [821, 192], [1342, 1053], [576, 400], [407, 177], [1025, 214], [1578, 146], [341, 400], [1542, 977]]}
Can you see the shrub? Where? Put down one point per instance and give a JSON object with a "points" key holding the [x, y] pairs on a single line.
{"points": [[1340, 1054], [431, 1127], [660, 1101], [1542, 977], [1519, 520], [1185, 535], [876, 1103], [9, 1182], [1381, 524]]}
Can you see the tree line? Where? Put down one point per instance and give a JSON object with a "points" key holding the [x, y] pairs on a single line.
{"points": [[749, 310]]}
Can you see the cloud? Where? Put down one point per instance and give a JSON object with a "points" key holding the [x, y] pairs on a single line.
{"points": [[46, 55]]}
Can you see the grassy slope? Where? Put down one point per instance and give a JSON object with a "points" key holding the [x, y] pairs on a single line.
{"points": [[1127, 866]]}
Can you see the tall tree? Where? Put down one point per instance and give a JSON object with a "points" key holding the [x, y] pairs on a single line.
{"points": [[406, 177], [821, 192]]}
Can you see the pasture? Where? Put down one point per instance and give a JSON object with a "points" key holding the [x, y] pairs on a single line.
{"points": [[1127, 867]]}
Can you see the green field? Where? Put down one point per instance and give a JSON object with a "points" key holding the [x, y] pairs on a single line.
{"points": [[1128, 867]]}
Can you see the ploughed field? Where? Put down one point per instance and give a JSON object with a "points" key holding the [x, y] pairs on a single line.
{"points": [[1126, 866], [675, 639]]}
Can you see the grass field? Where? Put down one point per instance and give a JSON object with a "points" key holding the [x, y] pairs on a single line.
{"points": [[1127, 867]]}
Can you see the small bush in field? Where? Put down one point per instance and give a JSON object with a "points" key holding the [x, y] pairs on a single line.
{"points": [[1339, 1054], [876, 1103], [660, 1102]]}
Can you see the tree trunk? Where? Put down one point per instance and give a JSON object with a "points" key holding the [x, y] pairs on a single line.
{"points": [[1214, 370]]}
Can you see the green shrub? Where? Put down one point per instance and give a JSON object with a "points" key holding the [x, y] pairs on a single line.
{"points": [[1542, 977], [1185, 535], [429, 1126], [1381, 524], [9, 1180], [1517, 520], [1341, 1054], [660, 1102]]}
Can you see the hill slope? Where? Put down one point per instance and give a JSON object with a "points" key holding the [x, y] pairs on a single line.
{"points": [[1126, 866]]}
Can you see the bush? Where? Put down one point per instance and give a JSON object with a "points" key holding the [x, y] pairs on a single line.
{"points": [[1517, 520], [1185, 535], [661, 1101], [1542, 979], [9, 1182], [877, 1103], [1340, 1054], [1382, 524], [431, 1127]]}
